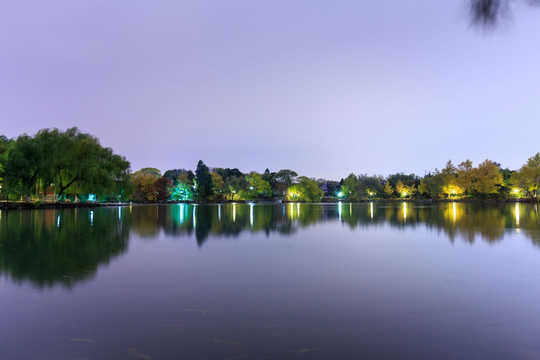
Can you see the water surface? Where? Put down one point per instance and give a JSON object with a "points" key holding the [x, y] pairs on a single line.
{"points": [[291, 281]]}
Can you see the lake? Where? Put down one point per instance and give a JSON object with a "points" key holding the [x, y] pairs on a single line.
{"points": [[280, 281]]}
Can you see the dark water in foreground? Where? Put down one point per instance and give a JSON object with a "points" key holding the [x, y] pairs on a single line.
{"points": [[450, 281]]}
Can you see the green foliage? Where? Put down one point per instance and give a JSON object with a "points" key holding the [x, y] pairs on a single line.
{"points": [[203, 181], [527, 178], [488, 178], [305, 190], [388, 189], [70, 162], [182, 189], [258, 187]]}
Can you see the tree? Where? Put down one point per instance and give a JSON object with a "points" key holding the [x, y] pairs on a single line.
{"points": [[161, 188], [305, 190], [527, 177], [349, 189], [218, 185], [489, 13], [466, 176], [235, 184], [258, 186], [183, 189], [284, 179], [203, 181], [488, 178], [388, 189], [422, 187], [144, 180]]}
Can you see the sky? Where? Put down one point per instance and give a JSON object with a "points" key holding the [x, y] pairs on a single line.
{"points": [[325, 88]]}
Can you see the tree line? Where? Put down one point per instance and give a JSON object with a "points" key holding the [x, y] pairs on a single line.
{"points": [[72, 166]]}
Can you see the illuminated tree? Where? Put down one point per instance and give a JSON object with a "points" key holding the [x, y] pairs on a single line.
{"points": [[305, 190], [527, 177], [258, 187], [388, 189], [349, 189], [218, 185], [183, 190]]}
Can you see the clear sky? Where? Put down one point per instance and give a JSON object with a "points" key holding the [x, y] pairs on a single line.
{"points": [[322, 87]]}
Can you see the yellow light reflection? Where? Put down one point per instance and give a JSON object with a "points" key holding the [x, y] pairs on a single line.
{"points": [[404, 211], [454, 212], [251, 214], [298, 209], [233, 212], [350, 209], [517, 215], [371, 209]]}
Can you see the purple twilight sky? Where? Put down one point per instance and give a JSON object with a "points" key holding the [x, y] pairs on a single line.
{"points": [[322, 87]]}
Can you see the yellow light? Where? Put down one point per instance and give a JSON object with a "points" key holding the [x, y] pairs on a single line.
{"points": [[515, 191]]}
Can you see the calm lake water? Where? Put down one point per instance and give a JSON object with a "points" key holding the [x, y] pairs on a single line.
{"points": [[291, 281]]}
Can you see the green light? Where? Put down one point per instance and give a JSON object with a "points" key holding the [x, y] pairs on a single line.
{"points": [[340, 194]]}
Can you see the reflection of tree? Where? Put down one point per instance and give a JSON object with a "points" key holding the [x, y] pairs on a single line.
{"points": [[50, 247]]}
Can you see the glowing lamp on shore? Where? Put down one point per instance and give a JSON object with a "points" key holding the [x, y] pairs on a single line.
{"points": [[340, 194]]}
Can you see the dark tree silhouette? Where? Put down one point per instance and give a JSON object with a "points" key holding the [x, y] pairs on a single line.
{"points": [[489, 13]]}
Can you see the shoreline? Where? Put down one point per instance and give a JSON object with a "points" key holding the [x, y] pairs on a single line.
{"points": [[67, 205]]}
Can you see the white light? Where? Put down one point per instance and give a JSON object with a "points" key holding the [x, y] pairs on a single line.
{"points": [[404, 211], [91, 218]]}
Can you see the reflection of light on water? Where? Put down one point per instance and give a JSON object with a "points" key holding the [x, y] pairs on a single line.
{"points": [[517, 215], [291, 212], [219, 212], [119, 213], [181, 213], [283, 209], [339, 210], [91, 218], [298, 209], [454, 210], [58, 221], [194, 217], [350, 209], [404, 211], [233, 212], [371, 209], [251, 214]]}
